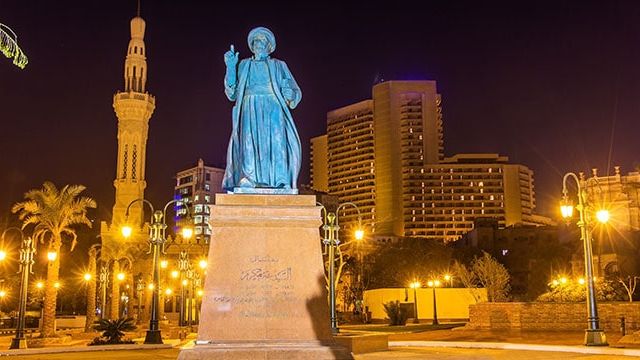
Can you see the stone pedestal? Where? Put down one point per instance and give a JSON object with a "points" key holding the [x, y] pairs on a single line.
{"points": [[265, 294]]}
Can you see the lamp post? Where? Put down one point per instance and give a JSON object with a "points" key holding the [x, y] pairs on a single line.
{"points": [[415, 285], [190, 280], [433, 284], [156, 243], [139, 289], [183, 266], [594, 335], [331, 240], [195, 286], [27, 250], [104, 282]]}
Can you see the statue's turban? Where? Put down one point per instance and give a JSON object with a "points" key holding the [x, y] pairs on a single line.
{"points": [[271, 39]]}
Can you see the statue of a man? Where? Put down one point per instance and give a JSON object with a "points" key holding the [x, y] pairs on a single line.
{"points": [[264, 149]]}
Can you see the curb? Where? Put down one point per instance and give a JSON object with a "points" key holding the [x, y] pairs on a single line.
{"points": [[69, 349], [515, 346]]}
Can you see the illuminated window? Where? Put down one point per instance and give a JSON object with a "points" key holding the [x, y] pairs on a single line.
{"points": [[197, 219]]}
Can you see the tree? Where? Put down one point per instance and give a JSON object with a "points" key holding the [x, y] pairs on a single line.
{"points": [[467, 278], [398, 264], [9, 46], [487, 272], [91, 288], [629, 284], [493, 276], [52, 212]]}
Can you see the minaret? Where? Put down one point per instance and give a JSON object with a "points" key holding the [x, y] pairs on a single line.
{"points": [[133, 108]]}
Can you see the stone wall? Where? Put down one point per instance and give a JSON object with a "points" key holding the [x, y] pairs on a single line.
{"points": [[451, 303], [551, 316]]}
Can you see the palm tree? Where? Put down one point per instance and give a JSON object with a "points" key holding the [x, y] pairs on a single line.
{"points": [[53, 212], [91, 288], [113, 330]]}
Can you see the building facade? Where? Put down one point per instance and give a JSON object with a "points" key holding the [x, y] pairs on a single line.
{"points": [[350, 161], [616, 244], [386, 155], [196, 188], [448, 197]]}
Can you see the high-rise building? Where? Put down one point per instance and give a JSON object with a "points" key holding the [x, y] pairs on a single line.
{"points": [[133, 107], [369, 170], [447, 198], [386, 155], [196, 188], [349, 155], [408, 135], [319, 164]]}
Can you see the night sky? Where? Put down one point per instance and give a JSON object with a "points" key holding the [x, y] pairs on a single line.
{"points": [[553, 85]]}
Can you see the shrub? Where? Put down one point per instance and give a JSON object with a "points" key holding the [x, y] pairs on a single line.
{"points": [[574, 292], [113, 331], [396, 314]]}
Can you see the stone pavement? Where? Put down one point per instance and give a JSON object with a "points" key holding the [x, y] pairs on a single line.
{"points": [[403, 344]]}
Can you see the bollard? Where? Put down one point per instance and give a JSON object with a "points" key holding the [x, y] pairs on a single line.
{"points": [[623, 329]]}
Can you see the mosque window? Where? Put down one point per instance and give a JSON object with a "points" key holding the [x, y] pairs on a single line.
{"points": [[124, 161], [134, 160], [135, 50]]}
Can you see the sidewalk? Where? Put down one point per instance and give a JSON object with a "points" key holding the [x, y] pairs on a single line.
{"points": [[429, 336], [580, 349], [81, 346]]}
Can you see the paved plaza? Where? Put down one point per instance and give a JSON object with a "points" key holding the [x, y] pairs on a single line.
{"points": [[403, 353], [410, 342]]}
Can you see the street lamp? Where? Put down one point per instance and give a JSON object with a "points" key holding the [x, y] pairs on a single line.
{"points": [[433, 284], [52, 255], [449, 278], [156, 243], [594, 335], [27, 251], [415, 285], [331, 239], [139, 289], [184, 265]]}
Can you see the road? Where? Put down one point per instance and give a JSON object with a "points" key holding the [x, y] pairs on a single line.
{"points": [[403, 353]]}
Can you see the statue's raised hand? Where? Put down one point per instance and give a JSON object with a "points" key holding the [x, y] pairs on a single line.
{"points": [[231, 58]]}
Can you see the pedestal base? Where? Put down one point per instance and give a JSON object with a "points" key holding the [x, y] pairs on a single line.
{"points": [[266, 351], [18, 343], [153, 337], [270, 300], [595, 338]]}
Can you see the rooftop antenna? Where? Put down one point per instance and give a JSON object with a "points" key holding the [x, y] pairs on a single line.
{"points": [[138, 8]]}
